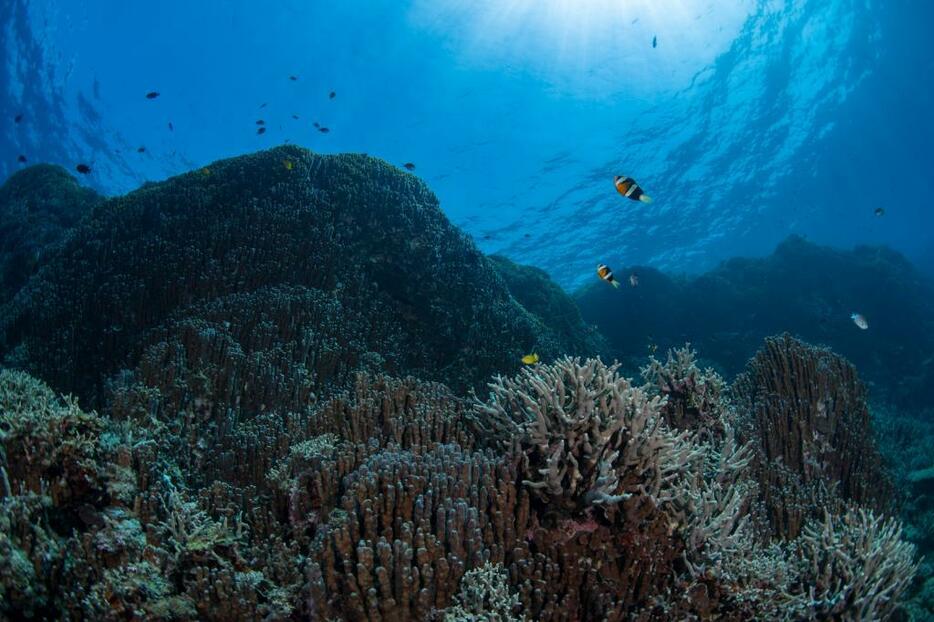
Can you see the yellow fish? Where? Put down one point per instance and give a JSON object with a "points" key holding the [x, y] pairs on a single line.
{"points": [[530, 359], [205, 171], [288, 164]]}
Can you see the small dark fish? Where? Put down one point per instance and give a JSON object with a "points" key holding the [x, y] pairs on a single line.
{"points": [[18, 118], [263, 105], [323, 130], [527, 235], [21, 159], [316, 124], [84, 169], [260, 122], [293, 78], [880, 211], [332, 95], [295, 116], [409, 166], [152, 94], [261, 130], [141, 150], [654, 42], [171, 127]]}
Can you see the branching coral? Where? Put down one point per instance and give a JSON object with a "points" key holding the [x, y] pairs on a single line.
{"points": [[484, 596], [694, 395], [588, 436], [856, 565], [804, 410]]}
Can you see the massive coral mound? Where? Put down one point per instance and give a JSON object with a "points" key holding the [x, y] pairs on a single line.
{"points": [[545, 299], [805, 410], [802, 288], [38, 205], [348, 226]]}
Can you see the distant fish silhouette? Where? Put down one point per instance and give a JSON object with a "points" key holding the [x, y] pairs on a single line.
{"points": [[654, 42], [332, 95], [152, 94], [295, 116], [261, 130], [409, 166], [17, 118], [880, 211], [262, 105], [323, 130], [260, 122], [84, 169], [859, 320], [293, 78], [141, 150], [21, 159], [171, 127]]}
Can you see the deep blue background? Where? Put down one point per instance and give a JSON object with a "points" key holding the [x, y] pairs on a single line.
{"points": [[749, 121]]}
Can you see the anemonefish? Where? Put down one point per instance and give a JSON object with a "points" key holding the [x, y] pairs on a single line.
{"points": [[628, 187], [604, 272], [530, 359]]}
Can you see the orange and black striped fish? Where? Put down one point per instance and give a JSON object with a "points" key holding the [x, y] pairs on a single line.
{"points": [[628, 187], [604, 272]]}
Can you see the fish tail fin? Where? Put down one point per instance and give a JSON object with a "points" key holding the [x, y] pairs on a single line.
{"points": [[645, 198], [616, 284]]}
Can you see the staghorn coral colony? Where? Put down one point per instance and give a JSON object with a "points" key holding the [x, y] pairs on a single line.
{"points": [[294, 393]]}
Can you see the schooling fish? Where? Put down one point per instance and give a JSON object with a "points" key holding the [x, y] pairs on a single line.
{"points": [[84, 169], [604, 272], [859, 320], [323, 130], [530, 359], [409, 166], [260, 122], [21, 159], [317, 125], [261, 130], [628, 187], [152, 94]]}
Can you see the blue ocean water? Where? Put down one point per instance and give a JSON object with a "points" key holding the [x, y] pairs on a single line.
{"points": [[747, 121]]}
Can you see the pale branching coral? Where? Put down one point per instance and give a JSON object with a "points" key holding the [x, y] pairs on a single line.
{"points": [[857, 565], [588, 436], [694, 395], [484, 596]]}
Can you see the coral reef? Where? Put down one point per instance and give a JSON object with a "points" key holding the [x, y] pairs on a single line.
{"points": [[309, 406]]}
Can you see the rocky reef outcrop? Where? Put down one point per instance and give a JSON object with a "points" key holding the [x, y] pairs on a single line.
{"points": [[807, 290], [309, 405]]}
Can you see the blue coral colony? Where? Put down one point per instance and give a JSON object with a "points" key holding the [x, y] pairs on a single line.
{"points": [[205, 415]]}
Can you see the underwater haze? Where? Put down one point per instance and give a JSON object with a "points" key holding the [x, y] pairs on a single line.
{"points": [[747, 122], [462, 310]]}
